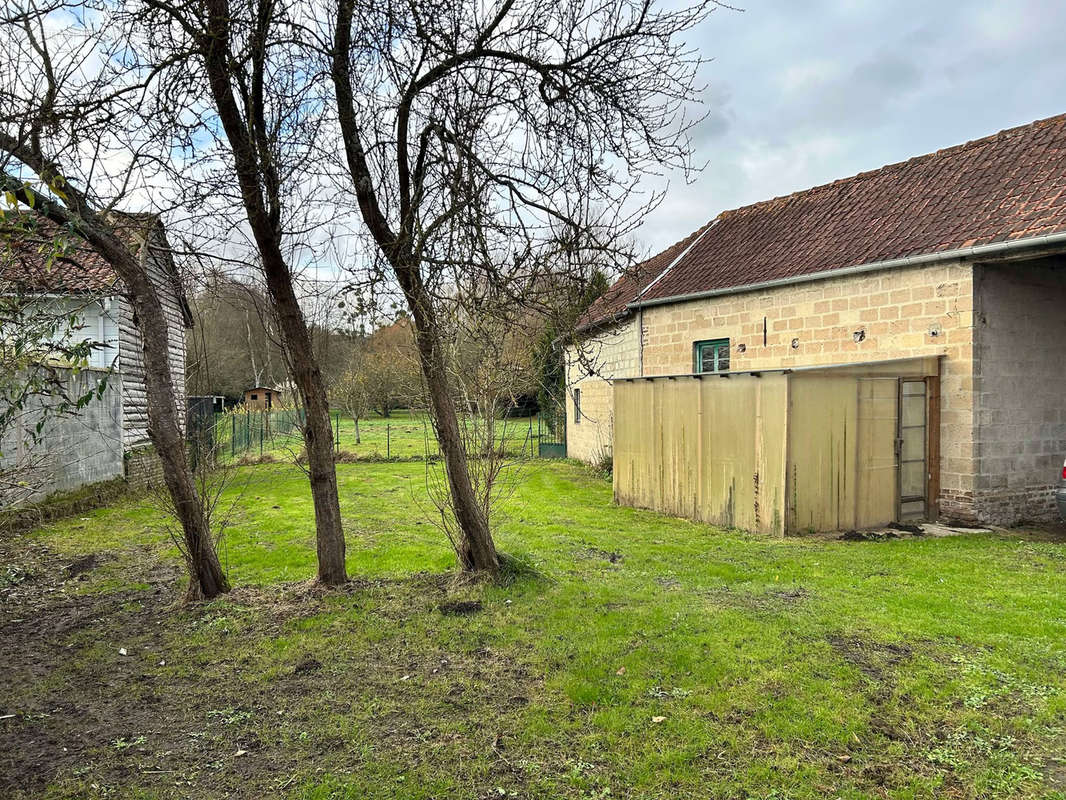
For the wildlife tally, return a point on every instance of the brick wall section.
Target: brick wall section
(611, 354)
(897, 310)
(1020, 380)
(144, 470)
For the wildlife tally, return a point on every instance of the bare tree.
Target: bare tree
(381, 373)
(485, 146)
(127, 251)
(352, 391)
(60, 159)
(240, 63)
(489, 366)
(390, 362)
(489, 144)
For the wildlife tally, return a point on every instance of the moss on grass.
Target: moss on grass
(629, 655)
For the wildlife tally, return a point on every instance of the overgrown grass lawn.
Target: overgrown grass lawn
(631, 656)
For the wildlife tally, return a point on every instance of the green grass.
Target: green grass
(635, 656)
(403, 434)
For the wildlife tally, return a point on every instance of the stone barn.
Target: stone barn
(885, 347)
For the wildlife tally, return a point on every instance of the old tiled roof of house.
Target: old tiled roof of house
(626, 288)
(75, 269)
(1011, 185)
(31, 261)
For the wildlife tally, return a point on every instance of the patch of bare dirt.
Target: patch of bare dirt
(460, 608)
(609, 556)
(771, 601)
(127, 689)
(1054, 532)
(873, 659)
(81, 566)
(45, 621)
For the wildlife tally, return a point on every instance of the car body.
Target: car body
(1060, 494)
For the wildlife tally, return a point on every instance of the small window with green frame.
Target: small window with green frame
(711, 355)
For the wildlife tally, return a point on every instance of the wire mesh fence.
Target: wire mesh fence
(232, 435)
(403, 436)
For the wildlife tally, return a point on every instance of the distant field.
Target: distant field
(402, 435)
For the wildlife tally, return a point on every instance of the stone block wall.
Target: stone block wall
(899, 313)
(1020, 382)
(610, 354)
(143, 469)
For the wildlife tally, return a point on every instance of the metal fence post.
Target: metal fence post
(388, 440)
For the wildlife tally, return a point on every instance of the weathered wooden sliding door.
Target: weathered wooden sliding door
(709, 448)
(842, 452)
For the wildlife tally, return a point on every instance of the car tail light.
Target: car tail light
(1064, 471)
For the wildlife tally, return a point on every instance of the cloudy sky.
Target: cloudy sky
(801, 92)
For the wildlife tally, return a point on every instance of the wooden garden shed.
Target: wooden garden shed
(782, 451)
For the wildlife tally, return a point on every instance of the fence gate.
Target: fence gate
(551, 432)
(200, 429)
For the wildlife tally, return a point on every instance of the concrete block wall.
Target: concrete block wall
(73, 450)
(613, 353)
(1020, 382)
(901, 313)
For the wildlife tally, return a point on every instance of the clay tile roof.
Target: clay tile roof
(1011, 185)
(24, 255)
(626, 288)
(80, 270)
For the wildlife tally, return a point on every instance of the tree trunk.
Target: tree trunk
(475, 549)
(357, 439)
(206, 578)
(318, 432)
(260, 194)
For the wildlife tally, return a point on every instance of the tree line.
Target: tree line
(368, 368)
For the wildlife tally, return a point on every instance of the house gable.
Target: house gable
(82, 279)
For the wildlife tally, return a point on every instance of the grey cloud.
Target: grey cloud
(718, 115)
(888, 73)
(805, 93)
